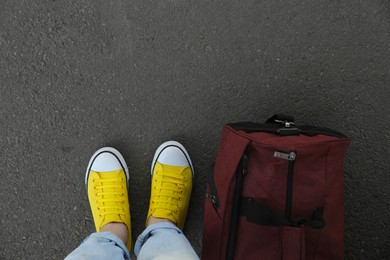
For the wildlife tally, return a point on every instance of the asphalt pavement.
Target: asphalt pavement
(79, 75)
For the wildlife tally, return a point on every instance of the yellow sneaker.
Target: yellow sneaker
(172, 174)
(106, 180)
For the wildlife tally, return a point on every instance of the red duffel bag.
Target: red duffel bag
(276, 192)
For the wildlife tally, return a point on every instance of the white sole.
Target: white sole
(113, 151)
(175, 144)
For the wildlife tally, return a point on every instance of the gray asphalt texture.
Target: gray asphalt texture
(79, 75)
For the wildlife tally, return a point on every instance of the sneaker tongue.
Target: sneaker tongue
(112, 218)
(164, 213)
(109, 218)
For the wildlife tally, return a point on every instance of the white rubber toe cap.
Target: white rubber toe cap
(172, 153)
(107, 159)
(106, 162)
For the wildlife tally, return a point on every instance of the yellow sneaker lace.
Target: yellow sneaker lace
(170, 187)
(110, 196)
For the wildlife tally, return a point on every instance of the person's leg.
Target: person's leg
(172, 174)
(106, 180)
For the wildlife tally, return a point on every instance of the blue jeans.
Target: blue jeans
(157, 241)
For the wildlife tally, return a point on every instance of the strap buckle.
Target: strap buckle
(287, 124)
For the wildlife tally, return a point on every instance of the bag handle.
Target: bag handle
(284, 125)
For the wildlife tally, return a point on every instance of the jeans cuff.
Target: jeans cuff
(147, 233)
(111, 238)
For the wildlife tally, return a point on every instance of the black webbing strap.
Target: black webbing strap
(283, 125)
(309, 130)
(263, 215)
(241, 171)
